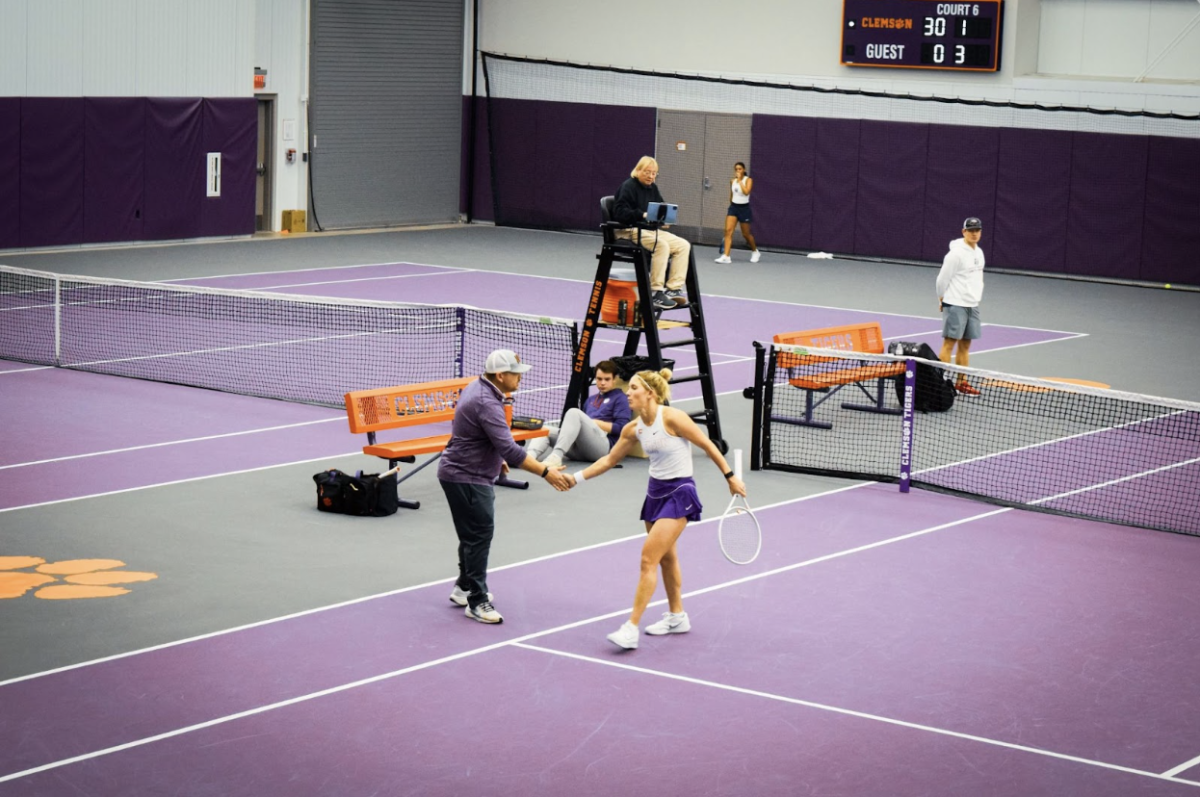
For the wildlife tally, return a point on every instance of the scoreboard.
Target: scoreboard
(922, 34)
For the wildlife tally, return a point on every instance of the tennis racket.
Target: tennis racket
(738, 532)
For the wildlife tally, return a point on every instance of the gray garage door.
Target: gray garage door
(386, 109)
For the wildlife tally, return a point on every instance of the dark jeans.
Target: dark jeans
(473, 508)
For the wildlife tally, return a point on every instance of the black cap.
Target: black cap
(972, 224)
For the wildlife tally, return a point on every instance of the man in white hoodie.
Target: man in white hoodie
(960, 289)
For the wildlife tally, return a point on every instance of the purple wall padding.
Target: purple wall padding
(1108, 197)
(960, 181)
(784, 150)
(835, 184)
(1171, 235)
(175, 168)
(514, 146)
(891, 189)
(113, 168)
(481, 207)
(231, 128)
(566, 133)
(1033, 190)
(623, 135)
(553, 161)
(10, 172)
(51, 171)
(1051, 201)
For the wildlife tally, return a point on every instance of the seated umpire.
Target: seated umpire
(629, 209)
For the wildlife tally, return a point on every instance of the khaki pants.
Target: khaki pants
(664, 247)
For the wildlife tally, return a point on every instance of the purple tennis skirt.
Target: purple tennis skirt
(671, 498)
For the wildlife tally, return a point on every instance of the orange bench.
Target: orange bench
(371, 411)
(816, 374)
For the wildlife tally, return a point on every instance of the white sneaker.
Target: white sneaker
(625, 637)
(459, 596)
(485, 613)
(553, 461)
(723, 259)
(755, 257)
(670, 624)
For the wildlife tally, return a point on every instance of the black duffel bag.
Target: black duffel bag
(935, 388)
(363, 495)
(628, 366)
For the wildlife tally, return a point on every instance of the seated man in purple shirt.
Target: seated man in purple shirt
(480, 447)
(588, 434)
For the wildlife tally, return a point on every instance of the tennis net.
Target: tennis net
(1051, 446)
(303, 349)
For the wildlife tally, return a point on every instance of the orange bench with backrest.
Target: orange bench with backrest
(866, 338)
(386, 408)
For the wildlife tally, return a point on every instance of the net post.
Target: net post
(57, 322)
(460, 320)
(760, 364)
(906, 424)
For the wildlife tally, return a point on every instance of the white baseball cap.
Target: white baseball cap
(504, 361)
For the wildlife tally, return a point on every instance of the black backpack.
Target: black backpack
(935, 389)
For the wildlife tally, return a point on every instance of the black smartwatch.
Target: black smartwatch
(729, 475)
(546, 472)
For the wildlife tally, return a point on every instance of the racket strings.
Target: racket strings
(739, 536)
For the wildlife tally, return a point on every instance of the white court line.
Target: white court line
(390, 593)
(857, 714)
(1040, 444)
(567, 279)
(938, 331)
(177, 481)
(169, 443)
(248, 470)
(1186, 765)
(306, 270)
(424, 665)
(359, 279)
(1111, 482)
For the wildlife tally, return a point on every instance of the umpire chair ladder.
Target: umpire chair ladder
(647, 320)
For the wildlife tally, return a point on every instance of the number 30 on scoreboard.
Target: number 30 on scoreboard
(922, 34)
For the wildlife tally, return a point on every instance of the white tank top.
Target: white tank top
(670, 456)
(739, 196)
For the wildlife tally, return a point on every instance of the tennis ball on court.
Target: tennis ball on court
(1168, 285)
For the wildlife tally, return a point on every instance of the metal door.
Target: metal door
(680, 155)
(696, 152)
(726, 141)
(385, 142)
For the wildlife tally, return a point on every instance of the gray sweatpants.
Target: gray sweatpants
(577, 438)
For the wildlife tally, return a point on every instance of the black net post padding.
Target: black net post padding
(756, 423)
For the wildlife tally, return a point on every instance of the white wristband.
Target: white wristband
(578, 476)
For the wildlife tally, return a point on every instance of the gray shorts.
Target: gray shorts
(960, 323)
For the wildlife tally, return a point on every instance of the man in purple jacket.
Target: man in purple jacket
(480, 448)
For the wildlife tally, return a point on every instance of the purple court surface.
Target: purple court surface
(912, 656)
(882, 644)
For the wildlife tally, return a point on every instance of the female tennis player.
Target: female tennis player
(740, 186)
(671, 498)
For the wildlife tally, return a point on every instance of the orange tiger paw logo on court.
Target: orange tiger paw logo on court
(67, 579)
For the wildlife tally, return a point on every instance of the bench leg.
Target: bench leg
(878, 399)
(516, 484)
(400, 500)
(807, 420)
